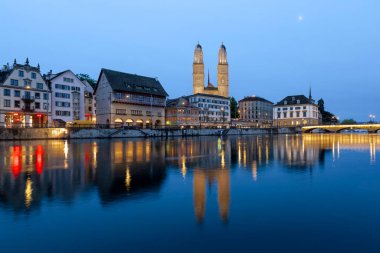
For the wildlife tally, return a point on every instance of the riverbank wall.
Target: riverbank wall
(79, 133)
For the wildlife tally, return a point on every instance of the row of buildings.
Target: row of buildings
(29, 98)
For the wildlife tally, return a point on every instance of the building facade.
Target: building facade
(128, 99)
(256, 112)
(214, 111)
(25, 98)
(199, 74)
(67, 96)
(89, 103)
(294, 111)
(179, 112)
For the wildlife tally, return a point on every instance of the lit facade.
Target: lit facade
(294, 111)
(179, 112)
(89, 103)
(214, 111)
(25, 98)
(256, 112)
(199, 74)
(128, 99)
(67, 96)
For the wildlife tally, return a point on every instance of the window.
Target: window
(304, 114)
(45, 106)
(291, 114)
(148, 113)
(121, 111)
(27, 83)
(298, 114)
(34, 75)
(46, 96)
(62, 104)
(7, 92)
(21, 73)
(17, 93)
(136, 112)
(62, 86)
(62, 113)
(37, 95)
(284, 114)
(14, 82)
(90, 108)
(73, 88)
(159, 114)
(62, 95)
(40, 86)
(37, 105)
(17, 103)
(7, 103)
(68, 80)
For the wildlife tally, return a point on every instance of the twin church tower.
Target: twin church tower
(199, 74)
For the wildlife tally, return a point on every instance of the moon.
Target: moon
(300, 18)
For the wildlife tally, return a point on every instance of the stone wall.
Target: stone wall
(33, 133)
(63, 133)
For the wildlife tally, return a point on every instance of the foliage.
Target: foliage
(327, 117)
(234, 108)
(348, 121)
(86, 77)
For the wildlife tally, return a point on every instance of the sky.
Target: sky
(275, 48)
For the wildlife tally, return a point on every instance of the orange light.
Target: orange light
(15, 114)
(39, 115)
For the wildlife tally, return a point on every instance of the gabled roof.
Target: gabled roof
(120, 81)
(292, 100)
(176, 102)
(254, 98)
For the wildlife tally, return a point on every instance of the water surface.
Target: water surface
(285, 193)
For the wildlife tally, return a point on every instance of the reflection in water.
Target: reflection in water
(129, 169)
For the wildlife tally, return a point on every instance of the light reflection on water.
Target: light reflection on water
(33, 172)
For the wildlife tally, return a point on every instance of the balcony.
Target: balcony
(28, 99)
(28, 108)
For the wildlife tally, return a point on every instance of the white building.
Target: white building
(67, 96)
(25, 98)
(214, 110)
(296, 110)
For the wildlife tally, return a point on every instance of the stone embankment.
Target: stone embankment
(79, 133)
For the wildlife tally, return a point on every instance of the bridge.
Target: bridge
(371, 128)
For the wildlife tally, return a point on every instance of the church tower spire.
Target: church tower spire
(223, 84)
(198, 70)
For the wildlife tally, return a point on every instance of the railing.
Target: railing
(28, 98)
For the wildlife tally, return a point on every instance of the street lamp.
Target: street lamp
(372, 118)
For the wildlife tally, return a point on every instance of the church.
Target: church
(199, 74)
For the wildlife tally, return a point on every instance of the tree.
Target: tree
(327, 117)
(234, 108)
(321, 105)
(86, 77)
(349, 122)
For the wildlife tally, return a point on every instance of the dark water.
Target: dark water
(310, 193)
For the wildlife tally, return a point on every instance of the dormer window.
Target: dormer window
(293, 98)
(285, 102)
(298, 101)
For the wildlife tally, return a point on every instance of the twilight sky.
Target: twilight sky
(272, 51)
